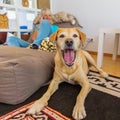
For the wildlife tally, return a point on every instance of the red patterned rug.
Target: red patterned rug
(46, 114)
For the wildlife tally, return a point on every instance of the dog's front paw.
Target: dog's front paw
(104, 74)
(79, 112)
(36, 107)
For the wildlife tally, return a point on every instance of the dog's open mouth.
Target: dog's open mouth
(69, 56)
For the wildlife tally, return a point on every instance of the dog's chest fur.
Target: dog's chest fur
(68, 74)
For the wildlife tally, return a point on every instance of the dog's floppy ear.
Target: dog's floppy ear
(82, 35)
(53, 37)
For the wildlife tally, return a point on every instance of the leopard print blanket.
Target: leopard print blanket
(46, 45)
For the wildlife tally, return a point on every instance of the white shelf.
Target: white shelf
(15, 30)
(28, 30)
(8, 30)
(38, 10)
(19, 11)
(27, 9)
(8, 6)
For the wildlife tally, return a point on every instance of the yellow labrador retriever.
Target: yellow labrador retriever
(71, 65)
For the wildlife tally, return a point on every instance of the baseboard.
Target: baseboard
(106, 54)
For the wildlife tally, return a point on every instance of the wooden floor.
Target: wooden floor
(110, 66)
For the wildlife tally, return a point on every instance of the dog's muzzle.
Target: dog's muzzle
(69, 54)
(68, 43)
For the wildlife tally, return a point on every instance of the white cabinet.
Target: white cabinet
(19, 15)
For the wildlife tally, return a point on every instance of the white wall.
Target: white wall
(93, 15)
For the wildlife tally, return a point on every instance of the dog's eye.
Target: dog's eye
(75, 35)
(62, 36)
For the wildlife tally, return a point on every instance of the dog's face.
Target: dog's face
(68, 41)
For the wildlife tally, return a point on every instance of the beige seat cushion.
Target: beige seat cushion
(22, 72)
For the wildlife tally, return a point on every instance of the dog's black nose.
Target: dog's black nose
(69, 42)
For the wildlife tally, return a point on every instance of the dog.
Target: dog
(71, 65)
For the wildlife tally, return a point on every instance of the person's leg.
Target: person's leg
(15, 41)
(44, 31)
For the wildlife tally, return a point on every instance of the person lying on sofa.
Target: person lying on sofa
(42, 28)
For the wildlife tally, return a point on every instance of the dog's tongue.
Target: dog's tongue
(69, 56)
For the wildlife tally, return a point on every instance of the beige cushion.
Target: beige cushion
(22, 72)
